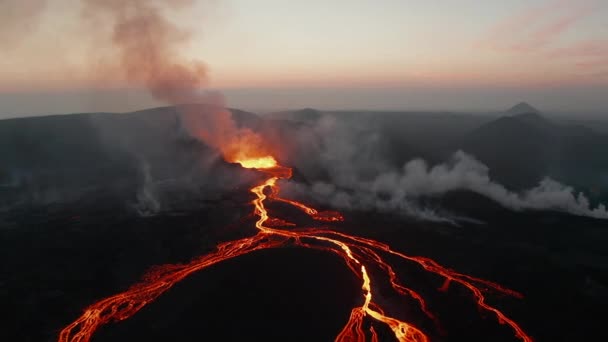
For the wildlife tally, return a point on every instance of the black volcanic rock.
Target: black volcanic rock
(246, 119)
(534, 119)
(300, 115)
(472, 204)
(64, 157)
(60, 258)
(523, 148)
(306, 114)
(518, 153)
(165, 115)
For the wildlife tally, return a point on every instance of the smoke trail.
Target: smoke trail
(147, 46)
(136, 41)
(148, 202)
(398, 190)
(358, 176)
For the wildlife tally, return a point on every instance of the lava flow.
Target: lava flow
(359, 254)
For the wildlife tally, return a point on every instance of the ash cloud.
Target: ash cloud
(171, 169)
(147, 46)
(359, 177)
(139, 42)
(168, 151)
(148, 202)
(18, 19)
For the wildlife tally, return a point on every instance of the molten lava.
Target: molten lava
(258, 163)
(359, 254)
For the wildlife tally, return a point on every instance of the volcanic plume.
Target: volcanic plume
(147, 43)
(145, 46)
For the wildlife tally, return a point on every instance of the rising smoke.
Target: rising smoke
(147, 45)
(136, 41)
(148, 202)
(360, 178)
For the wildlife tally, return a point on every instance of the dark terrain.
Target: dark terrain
(89, 202)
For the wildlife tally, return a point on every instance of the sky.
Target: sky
(269, 55)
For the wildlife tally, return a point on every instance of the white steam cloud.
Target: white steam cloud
(348, 158)
(148, 202)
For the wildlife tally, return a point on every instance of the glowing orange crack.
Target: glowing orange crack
(354, 250)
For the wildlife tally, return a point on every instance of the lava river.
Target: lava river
(359, 255)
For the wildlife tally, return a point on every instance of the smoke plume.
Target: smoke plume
(148, 202)
(399, 190)
(138, 41)
(146, 46)
(359, 177)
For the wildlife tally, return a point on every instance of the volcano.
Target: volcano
(359, 255)
(195, 220)
(249, 260)
(522, 108)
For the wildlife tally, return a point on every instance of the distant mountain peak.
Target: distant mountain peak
(307, 110)
(306, 114)
(523, 108)
(529, 116)
(534, 119)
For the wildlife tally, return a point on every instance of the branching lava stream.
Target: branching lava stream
(359, 255)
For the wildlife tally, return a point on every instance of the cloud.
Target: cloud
(401, 190)
(18, 19)
(591, 55)
(534, 29)
(539, 30)
(359, 176)
(585, 49)
(148, 201)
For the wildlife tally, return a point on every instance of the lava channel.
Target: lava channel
(359, 254)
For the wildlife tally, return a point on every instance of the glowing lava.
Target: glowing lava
(258, 163)
(359, 254)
